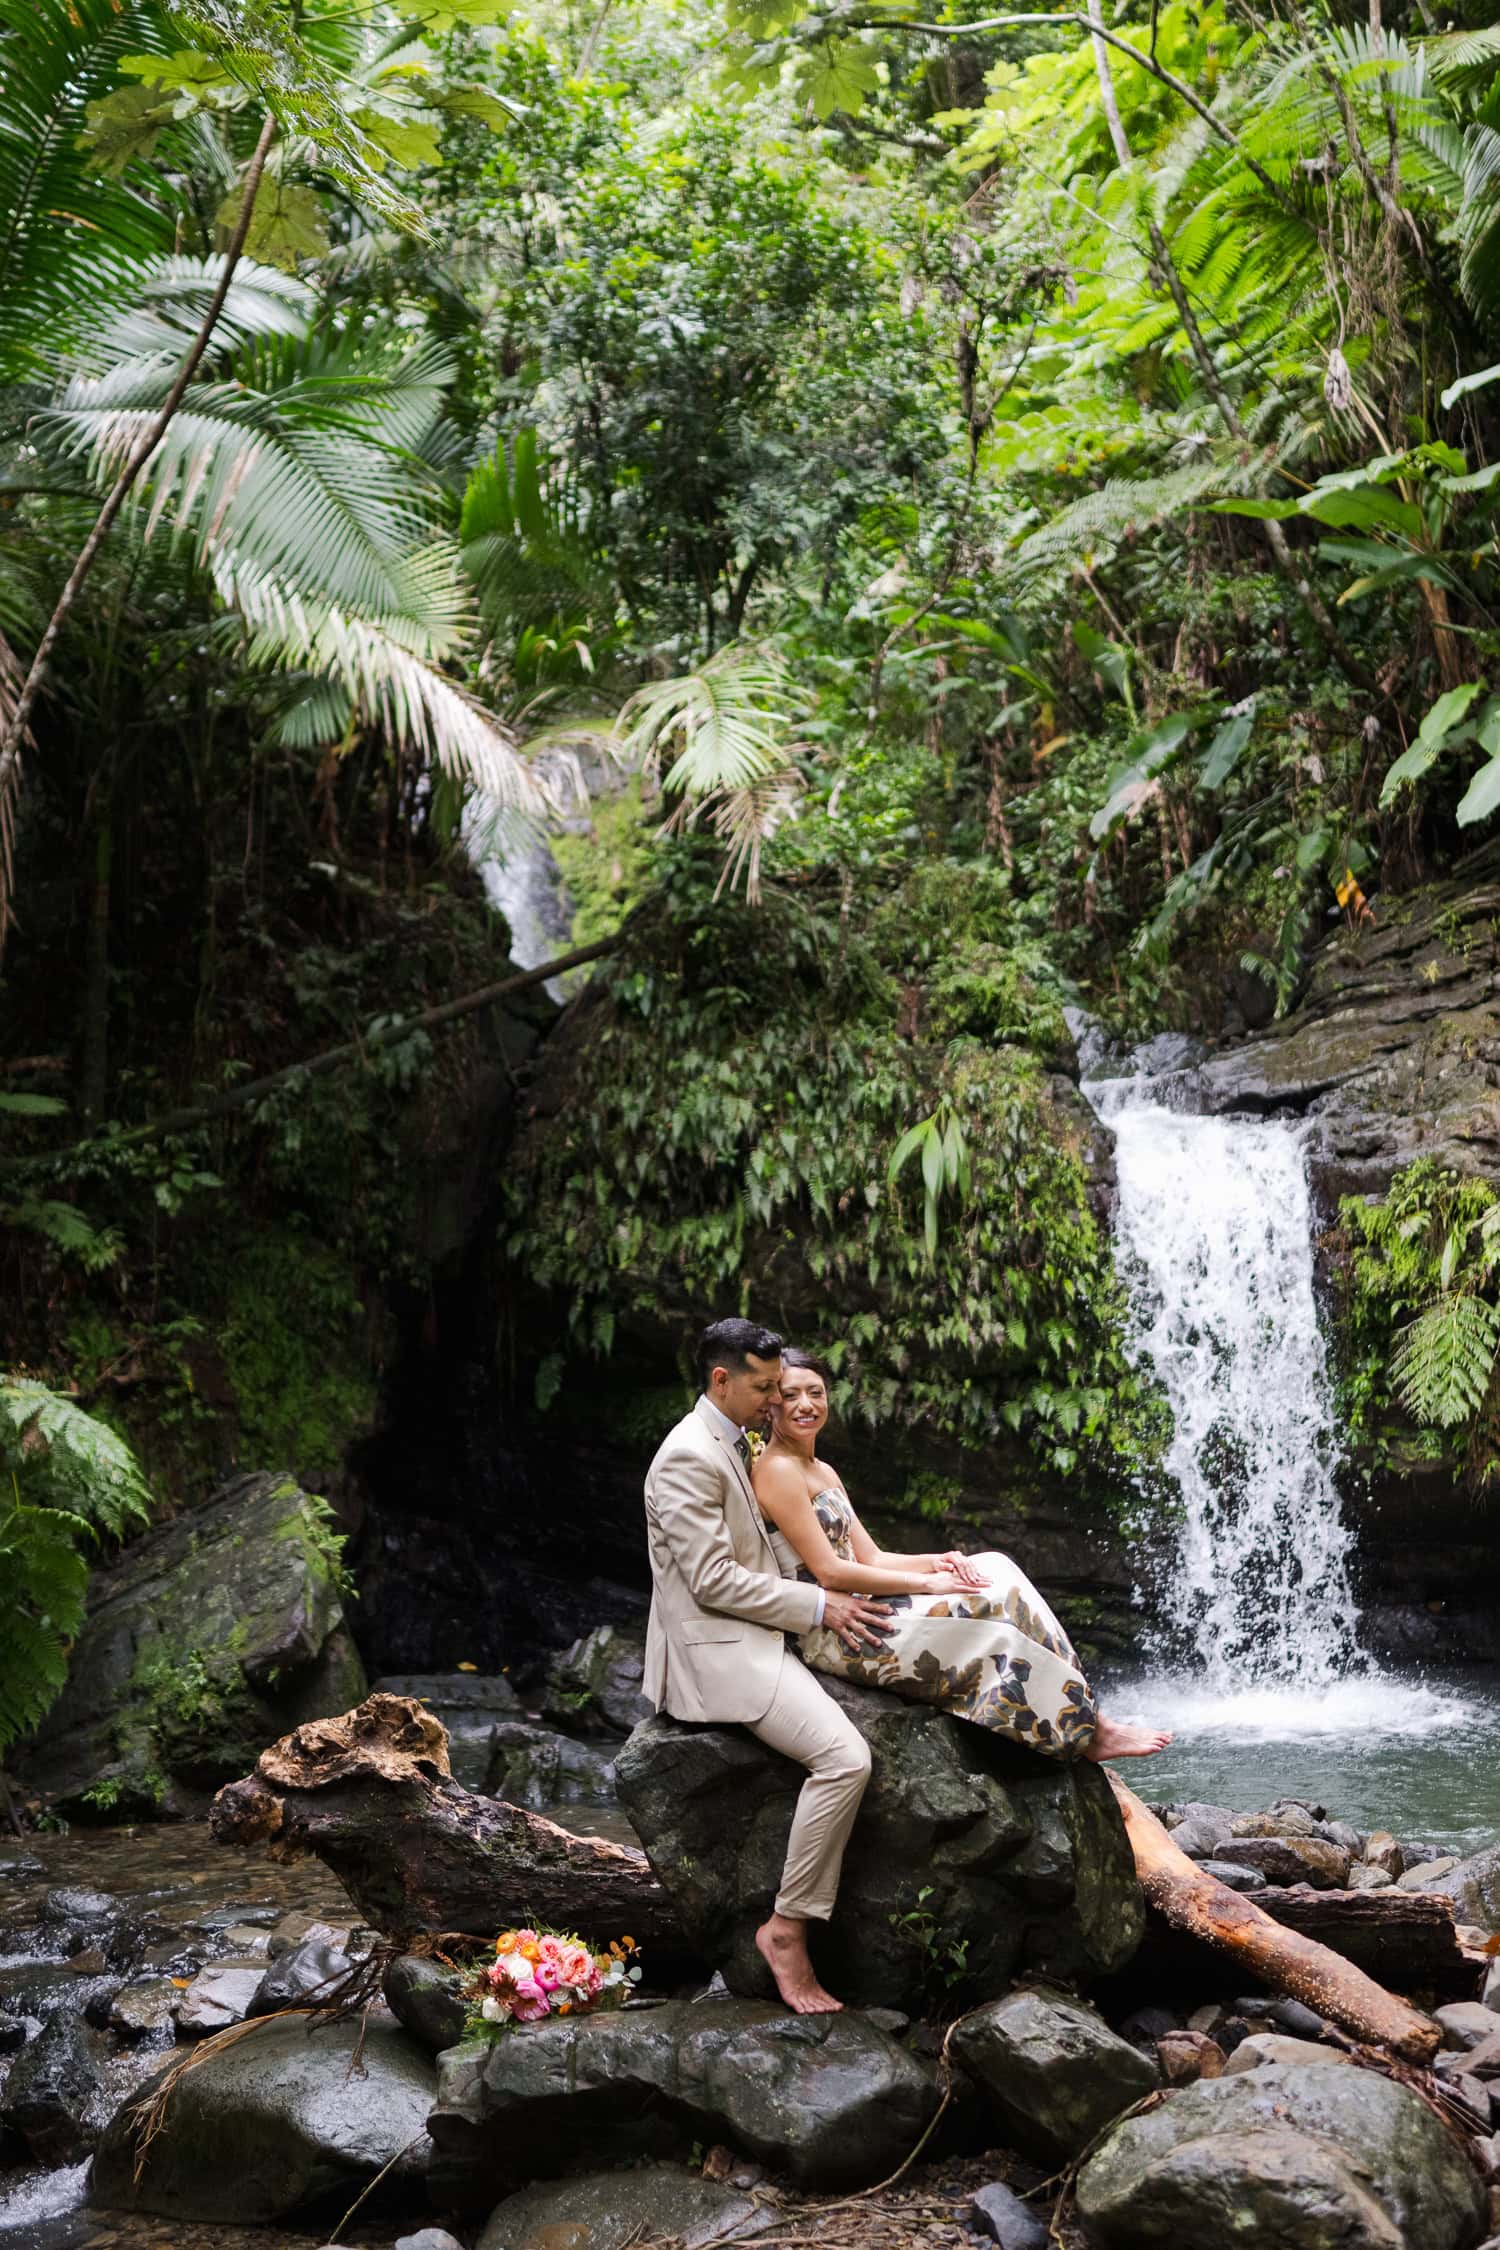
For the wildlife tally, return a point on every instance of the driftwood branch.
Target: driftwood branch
(370, 1794)
(1282, 1958)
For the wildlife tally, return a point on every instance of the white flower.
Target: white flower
(493, 2011)
(516, 1967)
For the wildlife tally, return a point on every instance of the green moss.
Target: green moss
(314, 1527)
(607, 866)
(294, 1353)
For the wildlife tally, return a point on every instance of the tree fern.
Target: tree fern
(41, 1609)
(64, 1459)
(1445, 1358)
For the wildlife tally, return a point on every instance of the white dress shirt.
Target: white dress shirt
(734, 1433)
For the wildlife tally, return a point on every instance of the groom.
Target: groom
(715, 1646)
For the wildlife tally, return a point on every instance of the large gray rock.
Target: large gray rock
(594, 1687)
(826, 2100)
(48, 2091)
(541, 1769)
(273, 2121)
(470, 1705)
(1474, 1887)
(424, 1997)
(1023, 1859)
(207, 1639)
(1293, 1859)
(609, 2210)
(1052, 2070)
(1284, 2158)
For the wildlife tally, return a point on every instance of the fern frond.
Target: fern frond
(43, 1578)
(64, 1458)
(1444, 1359)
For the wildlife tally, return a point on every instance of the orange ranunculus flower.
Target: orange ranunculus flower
(532, 1952)
(506, 1944)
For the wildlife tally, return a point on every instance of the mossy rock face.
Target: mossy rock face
(204, 1641)
(971, 1861)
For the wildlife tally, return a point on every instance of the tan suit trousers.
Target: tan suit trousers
(804, 1723)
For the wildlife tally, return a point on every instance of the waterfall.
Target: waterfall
(1215, 1237)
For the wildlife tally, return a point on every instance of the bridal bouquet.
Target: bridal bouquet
(539, 1973)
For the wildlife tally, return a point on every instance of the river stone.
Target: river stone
(1313, 2157)
(145, 2008)
(1283, 1820)
(1370, 1878)
(313, 1968)
(998, 2215)
(1201, 1836)
(1474, 1886)
(1233, 1876)
(1382, 1850)
(1466, 2023)
(1052, 2069)
(469, 1704)
(206, 1639)
(595, 1686)
(1279, 2047)
(1295, 1859)
(428, 2238)
(1023, 1859)
(48, 2091)
(424, 1996)
(539, 1768)
(219, 1995)
(80, 1909)
(279, 2117)
(608, 2210)
(828, 2100)
(1427, 1876)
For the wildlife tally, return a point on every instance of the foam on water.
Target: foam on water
(29, 2197)
(1363, 1708)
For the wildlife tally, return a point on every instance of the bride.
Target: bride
(970, 1634)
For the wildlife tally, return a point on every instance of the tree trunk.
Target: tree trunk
(1407, 1938)
(94, 1060)
(1279, 1957)
(370, 1794)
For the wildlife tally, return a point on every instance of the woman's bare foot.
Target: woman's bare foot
(1112, 1739)
(782, 1945)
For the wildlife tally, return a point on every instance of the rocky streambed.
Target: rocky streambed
(1186, 2104)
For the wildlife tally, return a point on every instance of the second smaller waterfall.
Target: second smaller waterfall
(1215, 1234)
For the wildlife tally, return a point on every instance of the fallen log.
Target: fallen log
(1405, 1938)
(371, 1795)
(1279, 1956)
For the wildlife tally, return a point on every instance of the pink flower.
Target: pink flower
(548, 1975)
(526, 1937)
(530, 2003)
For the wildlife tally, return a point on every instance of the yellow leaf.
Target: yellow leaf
(468, 1667)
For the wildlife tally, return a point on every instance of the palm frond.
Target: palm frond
(68, 234)
(724, 726)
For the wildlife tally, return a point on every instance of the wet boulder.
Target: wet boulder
(611, 2210)
(971, 1861)
(424, 1997)
(543, 1770)
(824, 2100)
(272, 2122)
(1474, 1887)
(309, 1971)
(1308, 2156)
(1286, 1860)
(1051, 2069)
(49, 2089)
(594, 1687)
(208, 1638)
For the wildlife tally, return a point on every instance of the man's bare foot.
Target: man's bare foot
(1112, 1739)
(782, 1945)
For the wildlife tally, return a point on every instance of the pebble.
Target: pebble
(1276, 2047)
(1291, 2015)
(1366, 1877)
(219, 1995)
(1183, 2057)
(1382, 1850)
(1466, 2023)
(144, 2007)
(429, 2238)
(998, 2213)
(1205, 2018)
(1425, 1874)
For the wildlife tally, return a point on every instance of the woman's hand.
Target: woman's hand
(957, 1565)
(949, 1582)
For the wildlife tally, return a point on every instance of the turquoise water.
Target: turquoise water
(1418, 1754)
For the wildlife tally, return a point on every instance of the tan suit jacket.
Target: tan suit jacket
(719, 1603)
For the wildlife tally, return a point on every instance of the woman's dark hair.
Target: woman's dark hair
(792, 1355)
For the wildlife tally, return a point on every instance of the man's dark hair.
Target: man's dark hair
(729, 1343)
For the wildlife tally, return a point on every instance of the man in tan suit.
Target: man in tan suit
(715, 1646)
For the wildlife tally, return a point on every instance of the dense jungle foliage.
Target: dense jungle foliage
(955, 518)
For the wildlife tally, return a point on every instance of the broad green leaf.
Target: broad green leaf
(493, 110)
(932, 1159)
(1264, 511)
(1107, 657)
(908, 1141)
(1224, 751)
(477, 13)
(407, 141)
(1435, 732)
(188, 71)
(837, 76)
(1467, 383)
(1311, 849)
(1478, 480)
(126, 125)
(1130, 784)
(287, 224)
(1359, 511)
(1482, 797)
(31, 1105)
(1396, 574)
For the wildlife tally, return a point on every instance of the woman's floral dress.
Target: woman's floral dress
(998, 1658)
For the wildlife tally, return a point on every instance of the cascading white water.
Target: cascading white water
(1215, 1235)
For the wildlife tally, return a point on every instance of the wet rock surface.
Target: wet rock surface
(49, 2090)
(1313, 2158)
(424, 1997)
(1022, 1858)
(209, 1637)
(822, 2100)
(1052, 2070)
(610, 2210)
(273, 2121)
(539, 1768)
(594, 1687)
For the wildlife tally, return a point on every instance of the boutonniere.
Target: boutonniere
(757, 1445)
